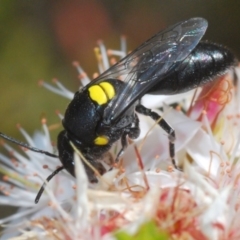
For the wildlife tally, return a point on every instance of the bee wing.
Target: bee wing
(151, 62)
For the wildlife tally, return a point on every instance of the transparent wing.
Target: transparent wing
(150, 63)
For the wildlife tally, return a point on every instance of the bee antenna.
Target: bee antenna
(27, 146)
(47, 180)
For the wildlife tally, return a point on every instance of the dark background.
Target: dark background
(39, 39)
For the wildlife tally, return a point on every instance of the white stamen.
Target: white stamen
(104, 55)
(123, 46)
(66, 94)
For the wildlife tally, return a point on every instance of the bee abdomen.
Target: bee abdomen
(205, 63)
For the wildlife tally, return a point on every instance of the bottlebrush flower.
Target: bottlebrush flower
(143, 191)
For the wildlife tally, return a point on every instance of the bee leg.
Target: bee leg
(165, 126)
(124, 145)
(133, 132)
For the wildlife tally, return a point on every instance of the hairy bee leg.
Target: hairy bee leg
(165, 126)
(133, 132)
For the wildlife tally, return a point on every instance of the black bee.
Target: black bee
(173, 61)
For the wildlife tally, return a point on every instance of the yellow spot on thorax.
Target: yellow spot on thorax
(102, 93)
(101, 140)
(97, 94)
(108, 89)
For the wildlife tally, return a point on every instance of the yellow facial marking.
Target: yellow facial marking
(101, 140)
(108, 89)
(97, 94)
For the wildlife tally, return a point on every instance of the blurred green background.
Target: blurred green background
(40, 39)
